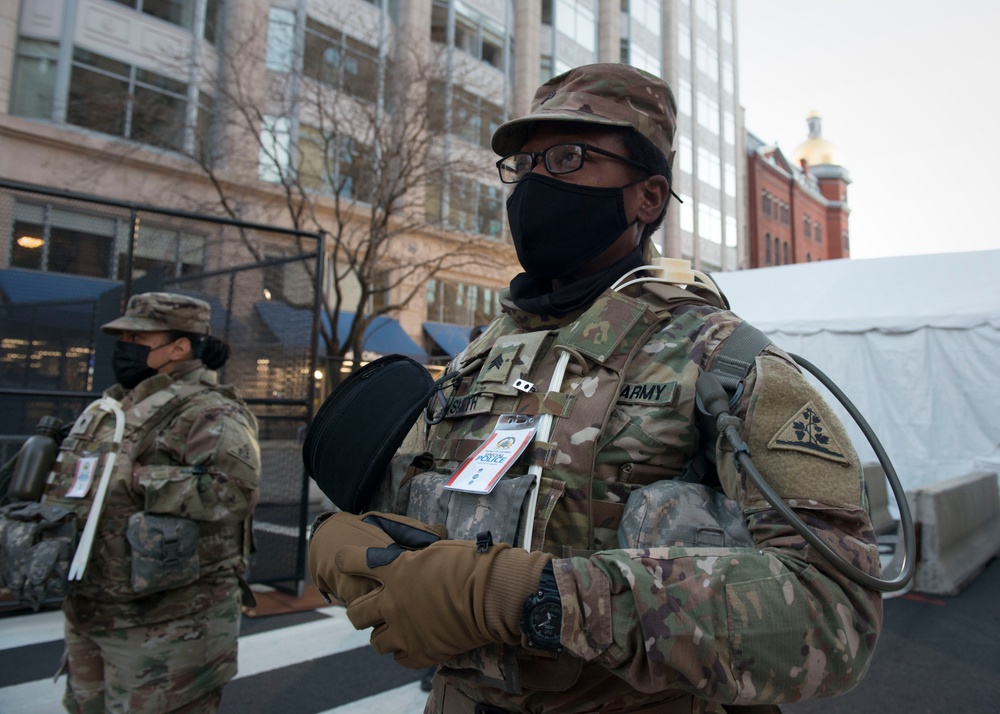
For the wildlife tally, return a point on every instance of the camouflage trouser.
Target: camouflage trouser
(177, 666)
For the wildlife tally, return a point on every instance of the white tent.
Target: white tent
(913, 341)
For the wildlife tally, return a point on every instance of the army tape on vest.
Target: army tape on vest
(79, 565)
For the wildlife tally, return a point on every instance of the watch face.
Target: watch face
(545, 622)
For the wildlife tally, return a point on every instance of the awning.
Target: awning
(293, 328)
(452, 339)
(36, 298)
(20, 286)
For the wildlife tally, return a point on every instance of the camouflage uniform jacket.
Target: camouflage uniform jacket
(769, 624)
(189, 450)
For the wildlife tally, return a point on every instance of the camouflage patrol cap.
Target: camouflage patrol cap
(153, 312)
(610, 94)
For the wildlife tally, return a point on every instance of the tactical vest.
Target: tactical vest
(108, 573)
(581, 494)
(584, 486)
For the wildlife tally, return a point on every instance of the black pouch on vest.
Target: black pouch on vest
(359, 427)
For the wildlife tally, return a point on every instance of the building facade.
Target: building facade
(798, 209)
(257, 105)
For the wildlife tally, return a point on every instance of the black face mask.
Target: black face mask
(129, 363)
(559, 227)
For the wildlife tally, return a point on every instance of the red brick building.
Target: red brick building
(798, 209)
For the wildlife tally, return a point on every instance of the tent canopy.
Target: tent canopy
(949, 290)
(911, 340)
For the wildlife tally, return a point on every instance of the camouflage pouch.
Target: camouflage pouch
(37, 543)
(164, 552)
(501, 511)
(680, 513)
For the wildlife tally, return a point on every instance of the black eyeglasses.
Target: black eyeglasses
(558, 159)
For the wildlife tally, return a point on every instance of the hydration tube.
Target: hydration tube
(82, 556)
(715, 399)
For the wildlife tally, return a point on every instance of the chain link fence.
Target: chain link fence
(69, 266)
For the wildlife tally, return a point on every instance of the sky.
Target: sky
(909, 93)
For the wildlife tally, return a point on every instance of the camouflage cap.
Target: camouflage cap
(610, 94)
(153, 312)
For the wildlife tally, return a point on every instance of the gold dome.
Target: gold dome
(815, 150)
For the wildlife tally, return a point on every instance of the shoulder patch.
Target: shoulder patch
(244, 453)
(807, 433)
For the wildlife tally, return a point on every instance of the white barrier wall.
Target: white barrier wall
(958, 522)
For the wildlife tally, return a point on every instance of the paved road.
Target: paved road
(936, 655)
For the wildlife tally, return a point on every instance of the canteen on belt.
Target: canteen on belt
(358, 428)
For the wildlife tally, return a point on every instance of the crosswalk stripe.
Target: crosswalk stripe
(299, 643)
(258, 653)
(31, 629)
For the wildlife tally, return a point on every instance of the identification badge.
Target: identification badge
(86, 467)
(482, 470)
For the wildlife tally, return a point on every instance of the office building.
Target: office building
(798, 209)
(133, 99)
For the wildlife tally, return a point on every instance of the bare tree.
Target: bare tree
(355, 147)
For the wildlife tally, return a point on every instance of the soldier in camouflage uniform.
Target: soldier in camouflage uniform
(152, 626)
(650, 614)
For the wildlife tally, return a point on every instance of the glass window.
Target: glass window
(684, 40)
(726, 27)
(707, 11)
(165, 249)
(784, 253)
(767, 249)
(731, 231)
(766, 203)
(489, 214)
(275, 149)
(576, 20)
(213, 20)
(684, 97)
(730, 180)
(729, 128)
(728, 77)
(98, 93)
(807, 226)
(280, 40)
(176, 12)
(647, 14)
(708, 167)
(71, 242)
(639, 57)
(473, 118)
(158, 110)
(34, 78)
(708, 113)
(340, 61)
(687, 213)
(707, 59)
(115, 98)
(819, 234)
(710, 223)
(686, 155)
(777, 249)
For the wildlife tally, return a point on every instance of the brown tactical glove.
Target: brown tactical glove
(426, 605)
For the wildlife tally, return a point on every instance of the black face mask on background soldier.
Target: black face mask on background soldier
(129, 363)
(559, 227)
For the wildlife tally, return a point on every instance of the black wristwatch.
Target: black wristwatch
(541, 618)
